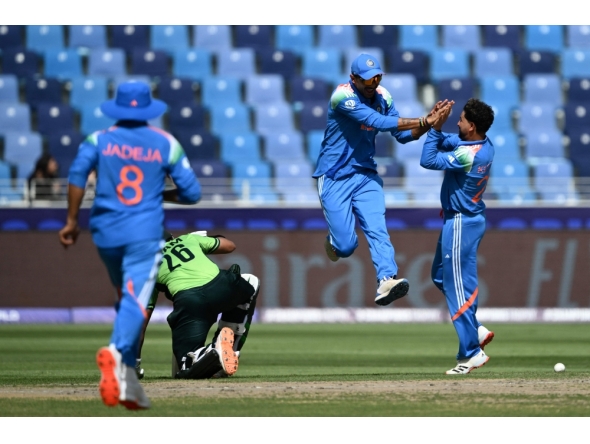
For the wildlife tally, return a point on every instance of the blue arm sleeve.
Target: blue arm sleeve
(352, 108)
(437, 152)
(188, 186)
(84, 162)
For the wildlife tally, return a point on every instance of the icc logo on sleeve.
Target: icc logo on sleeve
(350, 104)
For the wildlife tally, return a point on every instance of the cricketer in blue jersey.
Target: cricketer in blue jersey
(466, 159)
(348, 183)
(131, 160)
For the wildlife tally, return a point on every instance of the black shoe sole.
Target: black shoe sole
(397, 292)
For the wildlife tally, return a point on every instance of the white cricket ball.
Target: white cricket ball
(559, 367)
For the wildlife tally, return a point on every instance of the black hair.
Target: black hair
(480, 114)
(168, 236)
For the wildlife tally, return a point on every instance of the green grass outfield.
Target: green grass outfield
(317, 358)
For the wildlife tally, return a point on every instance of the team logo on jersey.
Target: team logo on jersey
(350, 104)
(370, 63)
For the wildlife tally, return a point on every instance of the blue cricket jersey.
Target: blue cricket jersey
(353, 123)
(467, 167)
(131, 164)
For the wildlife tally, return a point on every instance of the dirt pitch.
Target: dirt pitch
(234, 389)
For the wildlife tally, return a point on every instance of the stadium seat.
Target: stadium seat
(544, 38)
(264, 89)
(226, 118)
(273, 117)
(284, 146)
(575, 63)
(542, 88)
(304, 89)
(323, 63)
(43, 90)
(253, 180)
(176, 91)
(11, 36)
(84, 37)
(578, 90)
(198, 144)
(402, 87)
(313, 116)
(536, 62)
(294, 38)
(493, 62)
(577, 116)
(409, 62)
(424, 184)
(240, 63)
(418, 37)
(535, 117)
(448, 64)
(153, 63)
(391, 171)
(554, 181)
(293, 180)
(458, 89)
(467, 37)
(40, 38)
(384, 37)
(221, 90)
(239, 147)
(63, 146)
(313, 140)
(500, 90)
(169, 38)
(281, 62)
(212, 37)
(108, 62)
(503, 117)
(510, 175)
(579, 150)
(507, 36)
(577, 36)
(22, 149)
(543, 144)
(506, 144)
(411, 109)
(384, 145)
(63, 64)
(254, 36)
(193, 63)
(129, 37)
(186, 116)
(92, 119)
(337, 36)
(409, 150)
(20, 62)
(15, 117)
(54, 117)
(211, 169)
(9, 88)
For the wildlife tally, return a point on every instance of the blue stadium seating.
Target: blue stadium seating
(458, 89)
(193, 63)
(579, 150)
(284, 145)
(169, 38)
(282, 62)
(254, 36)
(15, 116)
(20, 62)
(324, 63)
(337, 36)
(92, 119)
(542, 88)
(577, 36)
(409, 62)
(54, 117)
(129, 37)
(409, 150)
(467, 37)
(294, 38)
(503, 116)
(544, 144)
(577, 116)
(149, 62)
(380, 36)
(220, 90)
(265, 89)
(273, 117)
(83, 37)
(313, 116)
(43, 90)
(384, 145)
(186, 116)
(544, 38)
(536, 62)
(240, 147)
(304, 89)
(402, 87)
(418, 37)
(500, 90)
(108, 62)
(449, 63)
(40, 38)
(22, 149)
(212, 37)
(293, 180)
(226, 118)
(238, 62)
(422, 183)
(176, 90)
(11, 36)
(198, 144)
(493, 62)
(575, 63)
(510, 175)
(63, 64)
(553, 180)
(9, 88)
(258, 175)
(578, 90)
(313, 140)
(506, 144)
(63, 145)
(535, 117)
(507, 36)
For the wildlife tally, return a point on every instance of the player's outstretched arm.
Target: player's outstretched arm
(69, 233)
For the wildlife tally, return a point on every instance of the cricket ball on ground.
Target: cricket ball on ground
(559, 367)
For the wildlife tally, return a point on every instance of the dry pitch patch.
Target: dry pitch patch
(222, 389)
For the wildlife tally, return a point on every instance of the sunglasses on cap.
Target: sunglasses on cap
(375, 79)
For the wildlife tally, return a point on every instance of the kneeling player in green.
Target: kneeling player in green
(199, 292)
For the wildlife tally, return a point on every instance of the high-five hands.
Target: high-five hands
(440, 113)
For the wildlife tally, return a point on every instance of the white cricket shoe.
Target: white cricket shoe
(484, 336)
(465, 366)
(391, 289)
(330, 251)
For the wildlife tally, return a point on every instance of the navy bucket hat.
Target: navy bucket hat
(133, 101)
(366, 66)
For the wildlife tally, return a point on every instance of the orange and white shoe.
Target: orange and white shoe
(225, 348)
(484, 336)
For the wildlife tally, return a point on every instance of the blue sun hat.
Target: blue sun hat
(366, 66)
(133, 101)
